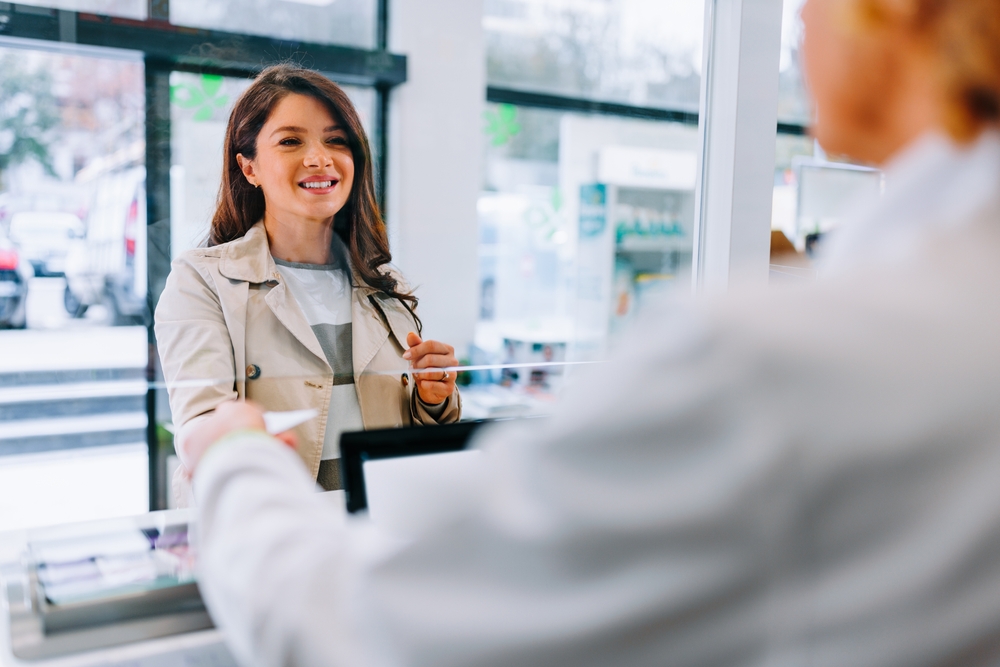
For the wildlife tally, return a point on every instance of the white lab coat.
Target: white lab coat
(804, 476)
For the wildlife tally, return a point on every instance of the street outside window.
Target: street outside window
(72, 286)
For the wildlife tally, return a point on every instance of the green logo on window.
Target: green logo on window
(204, 98)
(501, 124)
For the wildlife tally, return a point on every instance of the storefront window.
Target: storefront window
(321, 21)
(639, 52)
(582, 219)
(72, 287)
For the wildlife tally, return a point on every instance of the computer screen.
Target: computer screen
(365, 447)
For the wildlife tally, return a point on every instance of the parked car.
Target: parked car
(14, 277)
(44, 238)
(108, 264)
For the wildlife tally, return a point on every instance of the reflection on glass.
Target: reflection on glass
(132, 9)
(583, 220)
(641, 52)
(321, 21)
(72, 265)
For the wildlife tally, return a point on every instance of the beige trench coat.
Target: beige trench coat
(226, 309)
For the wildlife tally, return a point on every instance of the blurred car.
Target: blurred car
(14, 277)
(108, 264)
(44, 238)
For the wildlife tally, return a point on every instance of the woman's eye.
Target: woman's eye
(289, 142)
(337, 141)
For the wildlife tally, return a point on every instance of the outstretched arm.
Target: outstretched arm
(276, 564)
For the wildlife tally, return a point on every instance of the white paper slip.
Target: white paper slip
(279, 422)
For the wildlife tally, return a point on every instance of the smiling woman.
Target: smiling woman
(293, 304)
(287, 159)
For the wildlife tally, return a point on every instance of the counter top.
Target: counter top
(204, 648)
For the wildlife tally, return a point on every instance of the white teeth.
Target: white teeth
(317, 185)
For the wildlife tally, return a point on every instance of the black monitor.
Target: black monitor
(360, 446)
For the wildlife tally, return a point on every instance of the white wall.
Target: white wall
(435, 170)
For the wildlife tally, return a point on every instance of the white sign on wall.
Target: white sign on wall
(657, 169)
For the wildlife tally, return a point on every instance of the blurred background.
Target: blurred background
(539, 193)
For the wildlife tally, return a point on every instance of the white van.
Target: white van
(44, 238)
(108, 265)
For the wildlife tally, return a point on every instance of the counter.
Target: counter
(167, 630)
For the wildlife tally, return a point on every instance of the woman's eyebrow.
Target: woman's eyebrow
(288, 128)
(295, 128)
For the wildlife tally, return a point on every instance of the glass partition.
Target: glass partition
(583, 219)
(72, 286)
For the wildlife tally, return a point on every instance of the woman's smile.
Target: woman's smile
(319, 185)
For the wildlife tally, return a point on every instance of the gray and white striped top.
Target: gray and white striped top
(323, 292)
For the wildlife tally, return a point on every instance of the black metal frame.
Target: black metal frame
(166, 48)
(537, 100)
(193, 49)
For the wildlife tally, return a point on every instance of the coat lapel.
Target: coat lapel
(249, 260)
(371, 312)
(368, 334)
(400, 321)
(284, 307)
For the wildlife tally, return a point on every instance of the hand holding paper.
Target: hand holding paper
(243, 415)
(279, 422)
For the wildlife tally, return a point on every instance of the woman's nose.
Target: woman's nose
(317, 159)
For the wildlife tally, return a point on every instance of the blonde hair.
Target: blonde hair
(964, 36)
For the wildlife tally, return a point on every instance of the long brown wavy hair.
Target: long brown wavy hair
(240, 205)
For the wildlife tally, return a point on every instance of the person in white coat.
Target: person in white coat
(802, 476)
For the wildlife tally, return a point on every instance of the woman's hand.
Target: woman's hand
(433, 387)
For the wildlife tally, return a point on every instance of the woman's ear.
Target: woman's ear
(246, 166)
